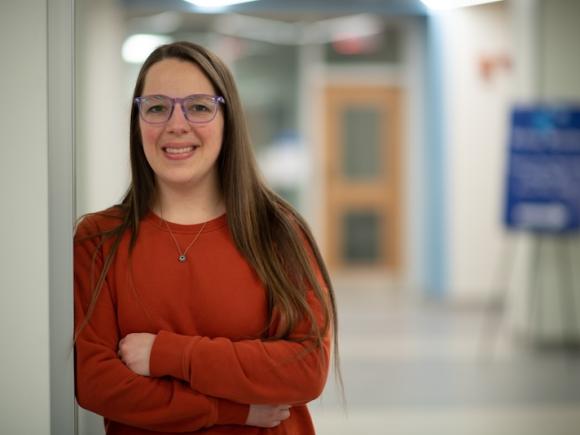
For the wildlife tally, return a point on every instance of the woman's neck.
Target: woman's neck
(191, 206)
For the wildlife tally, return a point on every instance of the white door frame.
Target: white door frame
(61, 188)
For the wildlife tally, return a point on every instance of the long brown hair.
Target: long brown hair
(268, 232)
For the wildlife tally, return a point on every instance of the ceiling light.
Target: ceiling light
(216, 4)
(453, 4)
(136, 48)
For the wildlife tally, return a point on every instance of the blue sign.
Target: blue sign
(543, 180)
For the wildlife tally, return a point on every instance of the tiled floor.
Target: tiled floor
(413, 368)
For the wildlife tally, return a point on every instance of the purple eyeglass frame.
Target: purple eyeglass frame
(215, 98)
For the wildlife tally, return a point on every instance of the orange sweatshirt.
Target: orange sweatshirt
(207, 362)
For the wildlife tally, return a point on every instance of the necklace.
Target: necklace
(183, 254)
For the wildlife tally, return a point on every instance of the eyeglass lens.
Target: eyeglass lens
(196, 108)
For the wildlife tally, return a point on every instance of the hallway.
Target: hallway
(413, 367)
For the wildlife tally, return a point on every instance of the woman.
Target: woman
(202, 304)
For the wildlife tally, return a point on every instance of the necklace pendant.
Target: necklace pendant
(182, 258)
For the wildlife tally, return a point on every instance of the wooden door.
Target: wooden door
(363, 173)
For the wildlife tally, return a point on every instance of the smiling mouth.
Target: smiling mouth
(179, 150)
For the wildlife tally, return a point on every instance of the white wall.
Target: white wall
(475, 143)
(24, 303)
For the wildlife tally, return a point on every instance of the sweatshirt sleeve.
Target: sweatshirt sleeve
(107, 387)
(247, 371)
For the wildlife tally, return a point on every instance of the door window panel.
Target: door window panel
(361, 151)
(362, 237)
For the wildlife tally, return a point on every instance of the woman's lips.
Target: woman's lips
(181, 152)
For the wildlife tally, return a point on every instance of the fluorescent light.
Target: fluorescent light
(216, 4)
(136, 48)
(452, 4)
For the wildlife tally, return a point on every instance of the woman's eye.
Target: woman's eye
(158, 108)
(196, 108)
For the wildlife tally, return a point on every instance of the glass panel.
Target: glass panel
(271, 109)
(362, 237)
(361, 143)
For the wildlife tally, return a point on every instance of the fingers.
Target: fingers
(280, 413)
(125, 344)
(267, 415)
(285, 412)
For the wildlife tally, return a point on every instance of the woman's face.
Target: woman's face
(182, 154)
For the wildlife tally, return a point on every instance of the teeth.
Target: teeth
(179, 150)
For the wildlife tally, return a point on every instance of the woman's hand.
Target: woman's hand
(135, 350)
(267, 415)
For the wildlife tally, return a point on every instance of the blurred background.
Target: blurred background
(387, 124)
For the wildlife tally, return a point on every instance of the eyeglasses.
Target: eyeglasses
(197, 108)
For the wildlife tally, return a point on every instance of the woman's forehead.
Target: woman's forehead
(176, 77)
